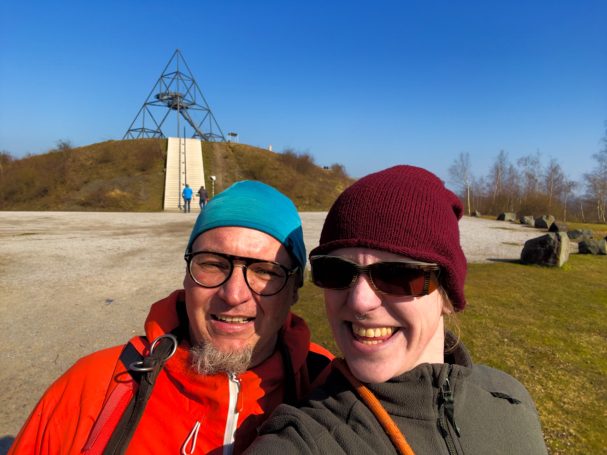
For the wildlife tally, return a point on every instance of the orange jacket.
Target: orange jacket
(186, 413)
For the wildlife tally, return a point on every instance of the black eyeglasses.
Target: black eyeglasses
(397, 278)
(210, 270)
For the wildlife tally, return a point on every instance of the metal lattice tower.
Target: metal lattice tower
(176, 91)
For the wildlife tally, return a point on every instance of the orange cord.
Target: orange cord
(395, 435)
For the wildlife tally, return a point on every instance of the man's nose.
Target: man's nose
(235, 290)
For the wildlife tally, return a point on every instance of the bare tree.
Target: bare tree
(461, 176)
(63, 145)
(497, 175)
(478, 193)
(568, 187)
(596, 183)
(511, 188)
(553, 181)
(595, 187)
(530, 167)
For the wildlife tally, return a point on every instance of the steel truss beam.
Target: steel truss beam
(176, 91)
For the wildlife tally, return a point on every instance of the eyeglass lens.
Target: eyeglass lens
(212, 270)
(398, 278)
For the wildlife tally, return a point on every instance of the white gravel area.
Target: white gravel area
(74, 282)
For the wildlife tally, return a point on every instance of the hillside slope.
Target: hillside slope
(129, 176)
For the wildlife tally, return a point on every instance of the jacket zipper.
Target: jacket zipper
(232, 418)
(446, 407)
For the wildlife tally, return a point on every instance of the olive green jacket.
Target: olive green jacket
(450, 408)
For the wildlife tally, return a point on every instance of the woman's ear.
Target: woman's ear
(447, 305)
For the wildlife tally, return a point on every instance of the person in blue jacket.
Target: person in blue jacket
(187, 198)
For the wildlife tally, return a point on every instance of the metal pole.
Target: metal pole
(180, 151)
(179, 172)
(185, 158)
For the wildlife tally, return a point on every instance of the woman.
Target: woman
(392, 268)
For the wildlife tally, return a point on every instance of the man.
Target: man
(203, 197)
(218, 356)
(187, 198)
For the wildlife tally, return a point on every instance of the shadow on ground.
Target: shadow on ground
(507, 261)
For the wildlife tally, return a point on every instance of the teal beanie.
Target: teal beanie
(257, 206)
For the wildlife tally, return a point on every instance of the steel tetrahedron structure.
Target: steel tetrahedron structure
(176, 92)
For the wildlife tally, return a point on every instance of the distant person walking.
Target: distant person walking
(187, 198)
(203, 197)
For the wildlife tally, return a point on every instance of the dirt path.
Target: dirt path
(72, 283)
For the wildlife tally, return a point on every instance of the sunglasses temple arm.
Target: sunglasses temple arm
(426, 282)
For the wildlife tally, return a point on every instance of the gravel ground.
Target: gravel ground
(72, 283)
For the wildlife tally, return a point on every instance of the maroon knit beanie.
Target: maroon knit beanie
(404, 210)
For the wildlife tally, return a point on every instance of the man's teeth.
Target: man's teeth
(233, 320)
(375, 332)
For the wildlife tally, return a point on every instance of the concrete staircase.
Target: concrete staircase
(184, 165)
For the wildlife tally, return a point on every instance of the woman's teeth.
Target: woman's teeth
(372, 332)
(233, 320)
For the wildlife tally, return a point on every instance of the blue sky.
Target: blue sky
(364, 84)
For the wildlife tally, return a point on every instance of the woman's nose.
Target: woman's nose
(362, 297)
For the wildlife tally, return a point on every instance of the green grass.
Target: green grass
(546, 327)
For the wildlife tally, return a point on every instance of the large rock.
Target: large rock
(580, 234)
(550, 250)
(544, 221)
(528, 220)
(592, 246)
(506, 216)
(558, 226)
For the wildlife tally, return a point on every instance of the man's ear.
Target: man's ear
(295, 295)
(299, 282)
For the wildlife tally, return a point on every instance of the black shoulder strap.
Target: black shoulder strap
(127, 424)
(289, 379)
(130, 355)
(316, 364)
(123, 433)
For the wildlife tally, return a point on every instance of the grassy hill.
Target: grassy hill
(129, 176)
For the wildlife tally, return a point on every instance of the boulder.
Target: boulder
(558, 226)
(544, 221)
(580, 234)
(528, 220)
(506, 216)
(476, 213)
(592, 246)
(550, 250)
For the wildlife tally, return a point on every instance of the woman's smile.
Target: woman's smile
(371, 335)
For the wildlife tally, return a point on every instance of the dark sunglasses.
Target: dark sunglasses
(397, 278)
